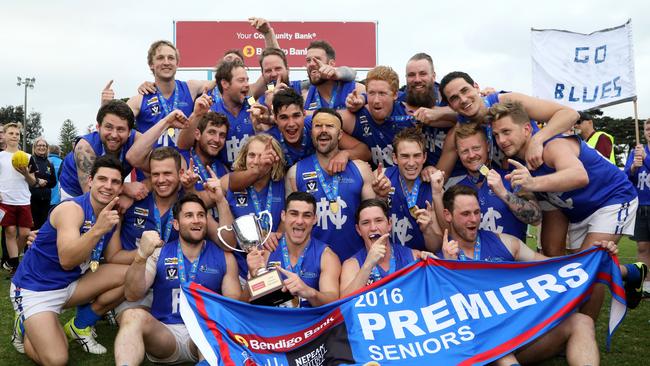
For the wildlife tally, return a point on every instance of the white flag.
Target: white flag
(584, 71)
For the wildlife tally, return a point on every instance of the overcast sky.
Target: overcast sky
(73, 48)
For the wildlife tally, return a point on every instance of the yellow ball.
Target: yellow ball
(20, 159)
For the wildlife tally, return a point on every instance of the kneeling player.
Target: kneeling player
(161, 332)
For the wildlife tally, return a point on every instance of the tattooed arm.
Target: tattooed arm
(84, 158)
(523, 205)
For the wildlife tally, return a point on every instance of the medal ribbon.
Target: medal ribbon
(256, 202)
(163, 102)
(168, 225)
(331, 189)
(335, 92)
(181, 264)
(477, 251)
(99, 247)
(285, 148)
(286, 262)
(376, 275)
(411, 197)
(203, 172)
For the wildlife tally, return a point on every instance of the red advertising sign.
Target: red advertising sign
(202, 43)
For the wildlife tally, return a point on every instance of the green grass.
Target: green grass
(629, 345)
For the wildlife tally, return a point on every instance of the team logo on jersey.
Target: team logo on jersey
(141, 211)
(313, 105)
(87, 225)
(312, 186)
(153, 100)
(139, 222)
(155, 109)
(171, 273)
(241, 199)
(366, 130)
(205, 269)
(309, 175)
(170, 261)
(391, 194)
(363, 119)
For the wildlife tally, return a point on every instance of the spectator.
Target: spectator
(55, 159)
(45, 181)
(599, 140)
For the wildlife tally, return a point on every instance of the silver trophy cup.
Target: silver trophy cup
(248, 231)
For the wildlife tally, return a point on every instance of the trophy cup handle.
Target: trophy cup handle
(259, 217)
(227, 228)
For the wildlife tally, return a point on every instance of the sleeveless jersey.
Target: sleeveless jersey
(641, 177)
(155, 107)
(294, 154)
(166, 285)
(295, 85)
(68, 177)
(492, 248)
(309, 271)
(139, 218)
(339, 93)
(337, 229)
(495, 214)
(405, 228)
(240, 129)
(40, 269)
(241, 203)
(403, 257)
(217, 166)
(379, 137)
(607, 186)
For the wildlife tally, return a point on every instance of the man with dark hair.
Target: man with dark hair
(165, 95)
(502, 211)
(114, 136)
(575, 335)
(325, 91)
(232, 82)
(599, 140)
(337, 194)
(380, 256)
(595, 196)
(311, 268)
(54, 273)
(464, 97)
(408, 198)
(163, 267)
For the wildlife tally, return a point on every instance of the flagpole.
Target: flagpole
(636, 122)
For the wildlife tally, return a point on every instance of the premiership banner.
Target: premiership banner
(584, 71)
(431, 313)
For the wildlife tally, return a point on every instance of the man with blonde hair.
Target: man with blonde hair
(14, 190)
(377, 123)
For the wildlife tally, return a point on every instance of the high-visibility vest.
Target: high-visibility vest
(594, 138)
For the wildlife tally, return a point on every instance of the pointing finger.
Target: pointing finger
(108, 86)
(517, 164)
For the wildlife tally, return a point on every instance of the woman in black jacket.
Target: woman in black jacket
(45, 181)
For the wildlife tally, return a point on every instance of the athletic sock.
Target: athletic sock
(633, 273)
(85, 317)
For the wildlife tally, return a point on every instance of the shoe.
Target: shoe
(634, 289)
(6, 266)
(85, 337)
(17, 336)
(110, 318)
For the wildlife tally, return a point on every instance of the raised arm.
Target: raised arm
(74, 249)
(84, 158)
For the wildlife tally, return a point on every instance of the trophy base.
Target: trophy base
(266, 289)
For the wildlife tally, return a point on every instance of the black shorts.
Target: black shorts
(642, 224)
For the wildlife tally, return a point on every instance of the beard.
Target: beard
(187, 237)
(426, 99)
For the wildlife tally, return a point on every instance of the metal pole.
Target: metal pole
(25, 120)
(636, 122)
